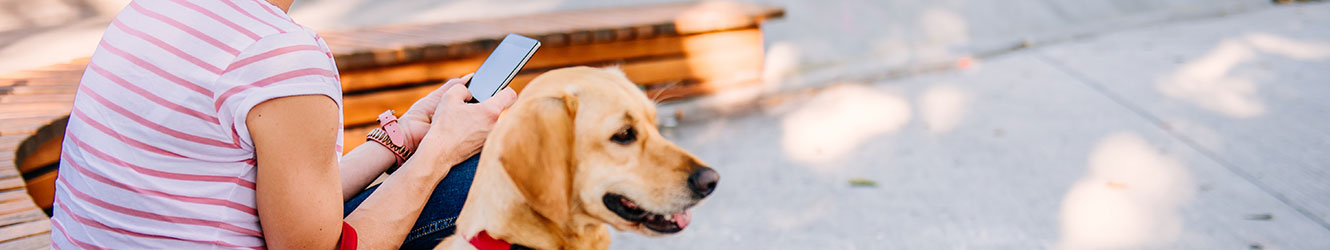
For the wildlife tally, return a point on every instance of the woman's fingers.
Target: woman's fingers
(502, 100)
(430, 102)
(460, 80)
(437, 93)
(456, 93)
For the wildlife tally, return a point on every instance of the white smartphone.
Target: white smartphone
(501, 66)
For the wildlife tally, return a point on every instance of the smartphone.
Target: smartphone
(501, 66)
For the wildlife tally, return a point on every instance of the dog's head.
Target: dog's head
(582, 143)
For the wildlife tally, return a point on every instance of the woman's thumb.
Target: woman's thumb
(503, 99)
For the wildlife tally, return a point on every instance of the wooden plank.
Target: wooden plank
(38, 241)
(581, 26)
(13, 195)
(355, 107)
(545, 58)
(716, 16)
(713, 61)
(548, 57)
(7, 168)
(52, 107)
(41, 81)
(10, 142)
(19, 99)
(11, 183)
(722, 70)
(38, 74)
(13, 207)
(31, 213)
(29, 114)
(25, 229)
(25, 125)
(43, 89)
(19, 219)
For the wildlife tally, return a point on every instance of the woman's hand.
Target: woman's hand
(416, 121)
(460, 128)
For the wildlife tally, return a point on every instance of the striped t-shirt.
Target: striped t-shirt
(156, 154)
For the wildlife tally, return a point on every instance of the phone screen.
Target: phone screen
(501, 66)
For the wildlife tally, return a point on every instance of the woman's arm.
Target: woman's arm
(299, 187)
(297, 171)
(361, 166)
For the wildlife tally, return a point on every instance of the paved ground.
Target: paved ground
(1201, 134)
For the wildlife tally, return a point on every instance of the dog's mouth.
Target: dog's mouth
(661, 223)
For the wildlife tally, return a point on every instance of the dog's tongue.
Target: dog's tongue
(682, 219)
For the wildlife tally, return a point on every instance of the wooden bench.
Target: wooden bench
(672, 50)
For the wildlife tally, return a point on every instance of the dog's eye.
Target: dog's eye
(625, 136)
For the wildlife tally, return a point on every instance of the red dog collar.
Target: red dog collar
(483, 241)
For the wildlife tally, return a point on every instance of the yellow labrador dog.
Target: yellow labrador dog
(579, 149)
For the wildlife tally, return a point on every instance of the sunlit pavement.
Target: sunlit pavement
(1200, 134)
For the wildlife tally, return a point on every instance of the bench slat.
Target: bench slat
(24, 99)
(16, 211)
(544, 58)
(25, 126)
(7, 169)
(21, 230)
(39, 241)
(716, 60)
(749, 41)
(580, 26)
(13, 195)
(11, 183)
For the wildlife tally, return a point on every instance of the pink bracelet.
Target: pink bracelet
(391, 136)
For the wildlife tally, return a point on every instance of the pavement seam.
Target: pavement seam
(1159, 123)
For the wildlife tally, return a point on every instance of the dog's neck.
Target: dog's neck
(499, 209)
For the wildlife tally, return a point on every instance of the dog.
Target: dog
(578, 150)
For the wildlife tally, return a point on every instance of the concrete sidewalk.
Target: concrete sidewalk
(1201, 134)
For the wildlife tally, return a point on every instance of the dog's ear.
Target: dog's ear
(538, 156)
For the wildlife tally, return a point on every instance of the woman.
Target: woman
(217, 125)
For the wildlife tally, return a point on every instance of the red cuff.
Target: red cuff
(348, 240)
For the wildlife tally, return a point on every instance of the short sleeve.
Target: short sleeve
(280, 65)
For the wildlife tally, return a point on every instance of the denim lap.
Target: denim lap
(437, 220)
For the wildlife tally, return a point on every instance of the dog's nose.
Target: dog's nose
(703, 181)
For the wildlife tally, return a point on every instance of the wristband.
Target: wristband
(391, 136)
(390, 125)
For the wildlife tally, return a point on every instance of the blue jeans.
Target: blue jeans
(437, 220)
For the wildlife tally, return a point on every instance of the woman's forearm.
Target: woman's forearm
(398, 201)
(361, 166)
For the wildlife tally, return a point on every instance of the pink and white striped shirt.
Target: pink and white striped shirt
(156, 154)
